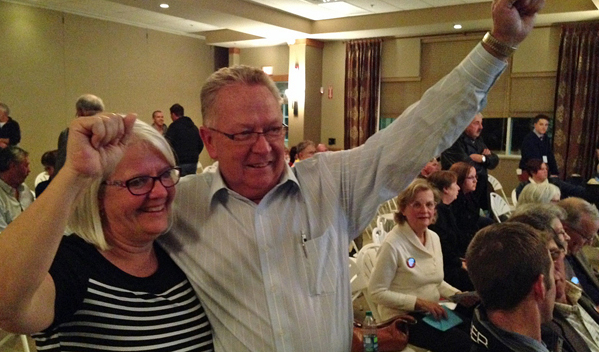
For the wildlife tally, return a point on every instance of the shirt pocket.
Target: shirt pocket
(321, 267)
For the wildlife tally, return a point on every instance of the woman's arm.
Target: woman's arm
(29, 243)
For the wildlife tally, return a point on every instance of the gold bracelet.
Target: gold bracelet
(499, 47)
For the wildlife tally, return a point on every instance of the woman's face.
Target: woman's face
(470, 181)
(421, 211)
(136, 219)
(541, 175)
(452, 191)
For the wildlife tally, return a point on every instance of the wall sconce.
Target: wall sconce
(267, 69)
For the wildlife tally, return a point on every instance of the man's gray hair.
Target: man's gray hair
(576, 207)
(88, 105)
(5, 108)
(226, 76)
(305, 144)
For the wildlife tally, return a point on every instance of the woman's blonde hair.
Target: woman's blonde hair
(407, 196)
(86, 220)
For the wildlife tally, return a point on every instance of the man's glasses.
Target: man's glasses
(142, 185)
(271, 134)
(587, 238)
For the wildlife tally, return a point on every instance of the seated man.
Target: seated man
(14, 168)
(306, 149)
(517, 295)
(581, 224)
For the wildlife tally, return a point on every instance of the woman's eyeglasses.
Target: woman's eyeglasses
(142, 185)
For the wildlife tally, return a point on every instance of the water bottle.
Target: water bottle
(371, 341)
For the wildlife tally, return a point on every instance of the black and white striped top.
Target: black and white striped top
(98, 307)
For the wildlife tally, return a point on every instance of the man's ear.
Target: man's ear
(208, 139)
(538, 288)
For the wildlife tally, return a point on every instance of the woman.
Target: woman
(454, 266)
(539, 175)
(465, 208)
(107, 287)
(406, 277)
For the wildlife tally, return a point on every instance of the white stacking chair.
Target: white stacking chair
(357, 281)
(499, 206)
(366, 260)
(378, 235)
(514, 198)
(497, 187)
(10, 336)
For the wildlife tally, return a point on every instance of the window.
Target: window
(505, 135)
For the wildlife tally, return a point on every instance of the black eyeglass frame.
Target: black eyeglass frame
(126, 184)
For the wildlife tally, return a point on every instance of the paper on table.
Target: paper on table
(443, 324)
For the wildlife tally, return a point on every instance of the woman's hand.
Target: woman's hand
(96, 143)
(435, 309)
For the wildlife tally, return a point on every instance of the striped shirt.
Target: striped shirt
(274, 276)
(98, 307)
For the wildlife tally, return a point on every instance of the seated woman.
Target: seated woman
(539, 175)
(465, 208)
(406, 277)
(535, 193)
(108, 286)
(454, 267)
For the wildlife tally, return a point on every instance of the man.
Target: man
(321, 148)
(430, 168)
(10, 132)
(158, 122)
(581, 224)
(15, 196)
(471, 148)
(265, 245)
(536, 145)
(511, 270)
(306, 149)
(86, 105)
(184, 137)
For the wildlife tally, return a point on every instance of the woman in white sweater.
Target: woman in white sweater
(408, 274)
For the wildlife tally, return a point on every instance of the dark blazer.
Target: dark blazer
(535, 148)
(184, 137)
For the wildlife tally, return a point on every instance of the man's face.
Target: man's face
(308, 152)
(3, 116)
(22, 170)
(250, 170)
(549, 302)
(583, 235)
(541, 126)
(475, 127)
(158, 118)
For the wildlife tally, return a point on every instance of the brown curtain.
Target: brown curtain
(362, 89)
(577, 100)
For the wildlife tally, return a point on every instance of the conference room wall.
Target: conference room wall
(48, 59)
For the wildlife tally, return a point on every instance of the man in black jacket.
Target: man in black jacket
(10, 132)
(184, 137)
(512, 271)
(536, 145)
(471, 148)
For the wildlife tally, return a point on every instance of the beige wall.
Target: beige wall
(333, 77)
(49, 58)
(275, 56)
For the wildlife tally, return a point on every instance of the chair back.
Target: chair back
(500, 207)
(10, 336)
(497, 187)
(366, 260)
(357, 281)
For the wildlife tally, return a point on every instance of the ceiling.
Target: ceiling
(256, 23)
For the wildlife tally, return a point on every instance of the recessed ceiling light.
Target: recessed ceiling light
(164, 6)
(457, 26)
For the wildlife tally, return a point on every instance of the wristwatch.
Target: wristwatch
(484, 159)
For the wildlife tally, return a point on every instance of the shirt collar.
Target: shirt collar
(218, 183)
(538, 134)
(8, 189)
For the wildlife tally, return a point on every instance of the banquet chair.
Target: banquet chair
(498, 188)
(10, 336)
(501, 209)
(357, 281)
(378, 235)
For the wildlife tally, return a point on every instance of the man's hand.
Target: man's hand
(514, 19)
(97, 143)
(477, 158)
(486, 151)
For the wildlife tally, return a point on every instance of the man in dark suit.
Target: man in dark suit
(536, 145)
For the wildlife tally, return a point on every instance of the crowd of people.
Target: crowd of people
(252, 254)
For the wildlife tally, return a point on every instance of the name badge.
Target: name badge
(545, 159)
